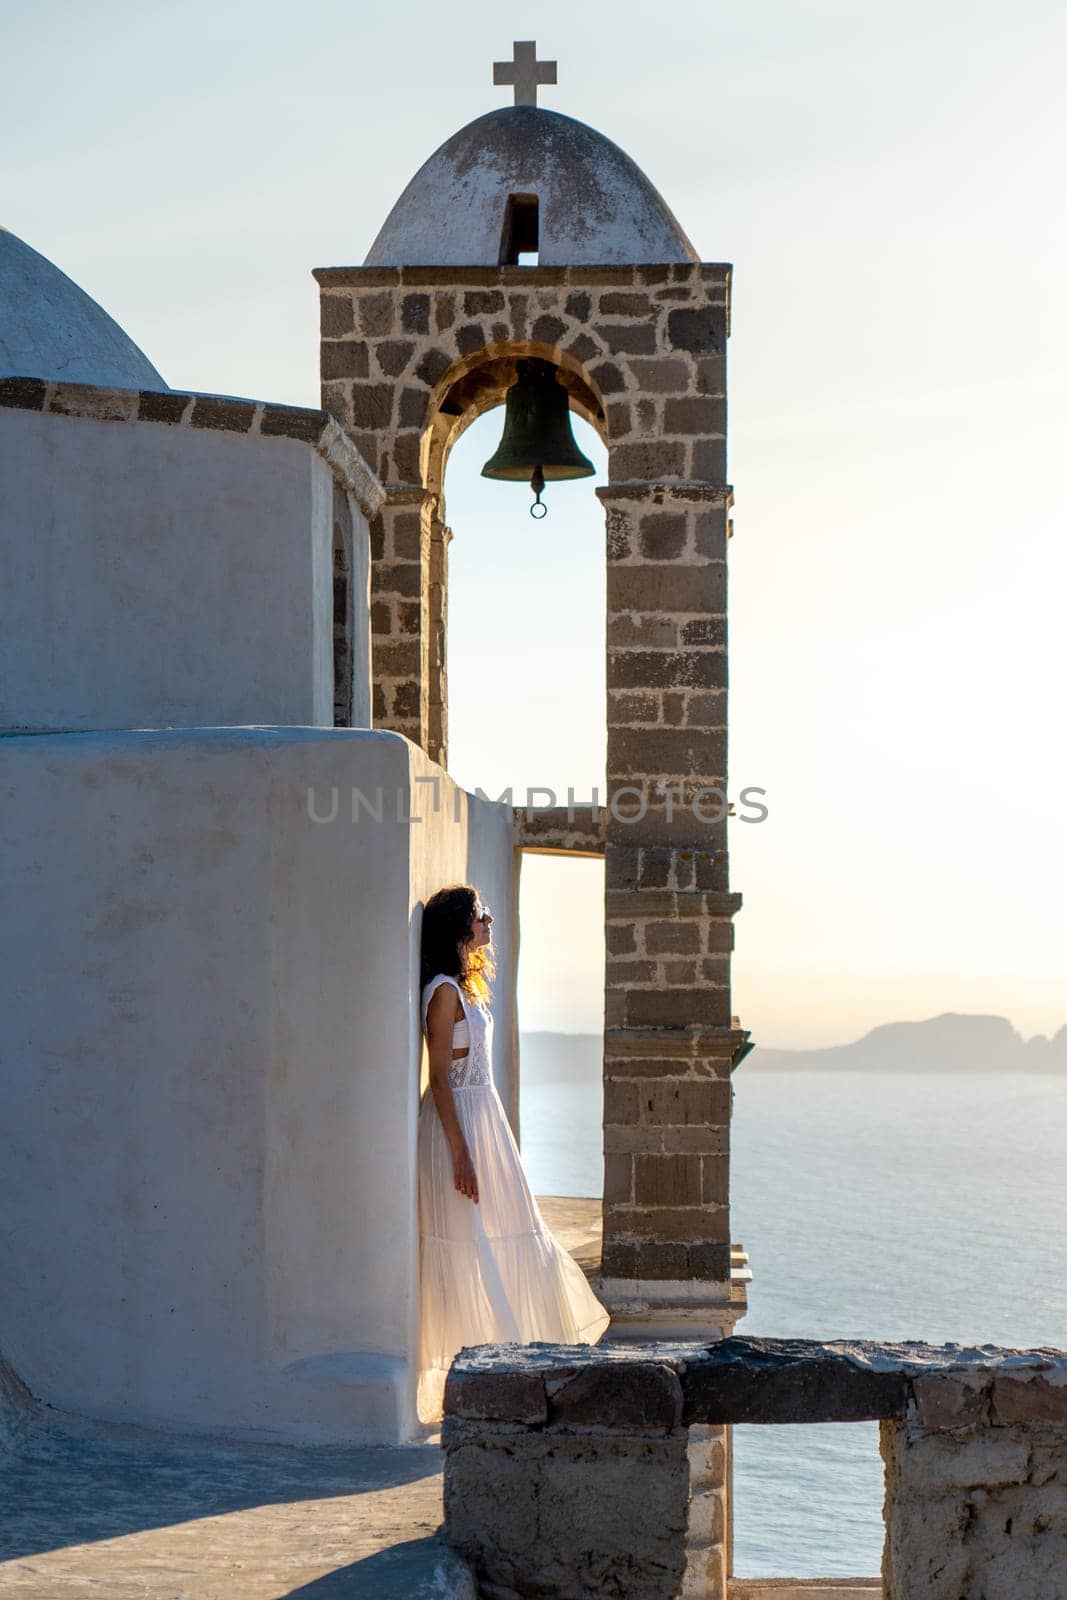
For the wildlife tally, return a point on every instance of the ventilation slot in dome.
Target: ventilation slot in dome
(520, 239)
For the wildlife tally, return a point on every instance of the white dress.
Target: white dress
(490, 1271)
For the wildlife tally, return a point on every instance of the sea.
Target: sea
(872, 1205)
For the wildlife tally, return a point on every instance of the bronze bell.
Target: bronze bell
(537, 443)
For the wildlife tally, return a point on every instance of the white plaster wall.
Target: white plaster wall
(165, 576)
(210, 1056)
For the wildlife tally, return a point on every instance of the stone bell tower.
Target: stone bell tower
(529, 234)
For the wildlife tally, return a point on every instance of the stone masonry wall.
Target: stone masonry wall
(645, 346)
(579, 1472)
(976, 1488)
(410, 356)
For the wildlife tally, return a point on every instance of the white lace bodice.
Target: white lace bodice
(476, 1067)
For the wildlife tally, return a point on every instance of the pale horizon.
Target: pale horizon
(884, 186)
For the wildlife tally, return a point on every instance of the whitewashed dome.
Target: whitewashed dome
(51, 329)
(596, 207)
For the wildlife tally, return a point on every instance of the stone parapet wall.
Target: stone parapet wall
(216, 412)
(584, 1471)
(976, 1484)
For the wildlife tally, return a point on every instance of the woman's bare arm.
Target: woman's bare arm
(440, 1018)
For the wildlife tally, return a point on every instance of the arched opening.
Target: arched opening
(526, 693)
(342, 611)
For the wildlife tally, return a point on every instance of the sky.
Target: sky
(883, 179)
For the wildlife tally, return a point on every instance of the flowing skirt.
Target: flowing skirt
(493, 1271)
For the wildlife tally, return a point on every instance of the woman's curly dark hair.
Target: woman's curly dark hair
(447, 920)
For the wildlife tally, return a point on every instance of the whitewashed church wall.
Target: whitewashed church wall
(167, 577)
(211, 1057)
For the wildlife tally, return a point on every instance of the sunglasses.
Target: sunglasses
(482, 913)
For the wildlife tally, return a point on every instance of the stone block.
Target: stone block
(672, 588)
(630, 1395)
(788, 1380)
(211, 411)
(672, 1102)
(667, 1180)
(667, 1224)
(407, 699)
(414, 314)
(406, 448)
(412, 413)
(608, 378)
(618, 1258)
(715, 1180)
(659, 1261)
(628, 338)
(661, 669)
(708, 460)
(398, 660)
(487, 1395)
(584, 349)
(621, 1103)
(662, 375)
(663, 938)
(336, 315)
(618, 1178)
(695, 414)
(650, 632)
(945, 1402)
(482, 302)
(663, 535)
(663, 752)
(648, 462)
(621, 973)
(710, 631)
(1031, 1399)
(345, 358)
(707, 710)
(377, 313)
(393, 355)
(620, 420)
(699, 329)
(547, 330)
(646, 1008)
(621, 938)
(372, 405)
(471, 337)
(406, 536)
(433, 366)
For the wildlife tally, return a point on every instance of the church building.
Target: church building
(223, 757)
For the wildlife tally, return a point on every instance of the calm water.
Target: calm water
(884, 1206)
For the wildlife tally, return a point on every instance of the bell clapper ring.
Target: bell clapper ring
(537, 484)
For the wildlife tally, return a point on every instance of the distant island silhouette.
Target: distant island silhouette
(952, 1042)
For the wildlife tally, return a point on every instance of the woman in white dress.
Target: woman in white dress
(490, 1269)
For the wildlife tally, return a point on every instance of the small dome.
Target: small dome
(595, 207)
(49, 328)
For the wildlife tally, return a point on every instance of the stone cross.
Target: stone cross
(525, 72)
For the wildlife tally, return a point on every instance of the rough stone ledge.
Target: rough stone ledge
(715, 272)
(560, 830)
(190, 409)
(938, 1387)
(671, 488)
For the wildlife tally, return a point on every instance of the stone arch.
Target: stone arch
(471, 386)
(477, 383)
